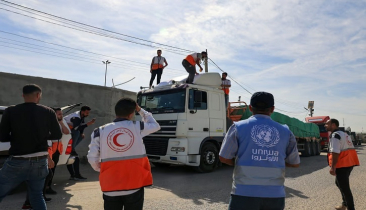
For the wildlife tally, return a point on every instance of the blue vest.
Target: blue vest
(260, 162)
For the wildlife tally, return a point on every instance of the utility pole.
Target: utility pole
(206, 62)
(310, 108)
(105, 76)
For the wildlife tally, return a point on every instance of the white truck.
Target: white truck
(192, 118)
(66, 140)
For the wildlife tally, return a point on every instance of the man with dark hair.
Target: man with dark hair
(76, 122)
(54, 150)
(118, 153)
(225, 85)
(157, 67)
(189, 63)
(260, 149)
(342, 157)
(27, 127)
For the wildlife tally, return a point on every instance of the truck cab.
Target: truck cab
(324, 134)
(192, 119)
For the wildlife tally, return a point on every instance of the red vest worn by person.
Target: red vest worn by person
(192, 58)
(348, 155)
(124, 164)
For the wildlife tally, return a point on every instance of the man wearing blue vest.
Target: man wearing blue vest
(260, 149)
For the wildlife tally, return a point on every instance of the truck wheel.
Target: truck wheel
(317, 148)
(209, 158)
(313, 148)
(307, 149)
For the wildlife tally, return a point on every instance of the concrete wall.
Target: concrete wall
(59, 93)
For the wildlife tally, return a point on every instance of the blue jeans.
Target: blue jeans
(34, 172)
(255, 203)
(76, 138)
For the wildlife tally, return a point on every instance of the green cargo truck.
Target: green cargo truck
(307, 134)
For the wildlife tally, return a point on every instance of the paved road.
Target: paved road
(308, 187)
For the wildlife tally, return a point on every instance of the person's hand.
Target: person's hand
(82, 136)
(197, 73)
(150, 71)
(138, 108)
(201, 70)
(51, 163)
(91, 122)
(332, 171)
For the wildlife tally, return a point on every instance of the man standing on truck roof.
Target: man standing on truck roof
(225, 84)
(27, 127)
(260, 149)
(157, 67)
(118, 153)
(342, 157)
(54, 150)
(189, 63)
(76, 122)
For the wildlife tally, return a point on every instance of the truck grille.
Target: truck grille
(157, 143)
(156, 146)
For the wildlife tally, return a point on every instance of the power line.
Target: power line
(90, 26)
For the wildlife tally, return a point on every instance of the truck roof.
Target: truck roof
(317, 119)
(209, 80)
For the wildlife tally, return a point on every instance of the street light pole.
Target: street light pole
(105, 76)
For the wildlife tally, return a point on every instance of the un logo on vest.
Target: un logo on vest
(120, 139)
(265, 136)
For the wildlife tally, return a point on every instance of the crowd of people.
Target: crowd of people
(34, 132)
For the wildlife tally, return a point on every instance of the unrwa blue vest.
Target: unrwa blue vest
(260, 164)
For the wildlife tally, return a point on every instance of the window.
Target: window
(172, 101)
(197, 100)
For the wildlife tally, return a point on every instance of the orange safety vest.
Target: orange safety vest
(225, 89)
(124, 163)
(193, 57)
(158, 62)
(348, 155)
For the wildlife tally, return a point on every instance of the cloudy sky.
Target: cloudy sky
(297, 50)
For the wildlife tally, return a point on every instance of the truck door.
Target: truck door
(197, 116)
(217, 114)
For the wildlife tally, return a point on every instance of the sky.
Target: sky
(299, 51)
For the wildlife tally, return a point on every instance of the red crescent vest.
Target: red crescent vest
(124, 164)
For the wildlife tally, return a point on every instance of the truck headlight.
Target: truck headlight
(178, 149)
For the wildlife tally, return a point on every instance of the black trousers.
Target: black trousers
(134, 201)
(158, 72)
(74, 168)
(55, 158)
(342, 182)
(255, 203)
(191, 71)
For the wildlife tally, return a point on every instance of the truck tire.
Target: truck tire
(307, 150)
(317, 147)
(313, 148)
(209, 158)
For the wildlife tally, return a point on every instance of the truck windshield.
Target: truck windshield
(322, 128)
(172, 101)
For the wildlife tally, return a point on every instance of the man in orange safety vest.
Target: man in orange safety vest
(342, 157)
(117, 151)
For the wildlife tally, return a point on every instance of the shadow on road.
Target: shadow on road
(294, 193)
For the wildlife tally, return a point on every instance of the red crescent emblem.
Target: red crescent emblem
(125, 142)
(115, 140)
